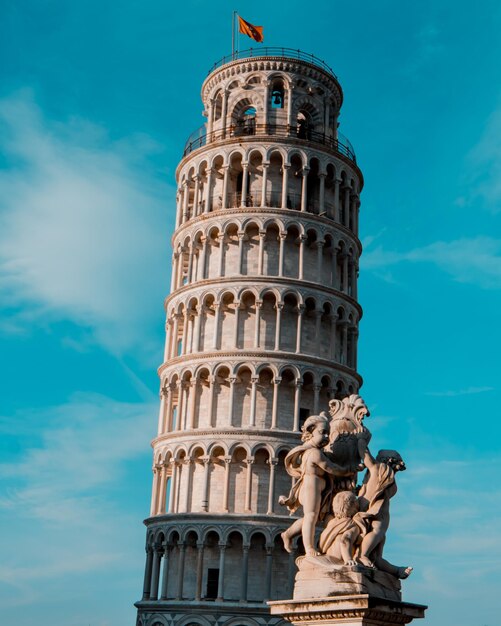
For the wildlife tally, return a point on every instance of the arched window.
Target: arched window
(304, 125)
(246, 123)
(277, 95)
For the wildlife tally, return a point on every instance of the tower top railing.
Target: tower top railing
(200, 137)
(286, 53)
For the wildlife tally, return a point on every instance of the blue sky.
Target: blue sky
(96, 101)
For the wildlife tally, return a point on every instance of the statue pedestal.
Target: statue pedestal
(348, 610)
(327, 592)
(323, 577)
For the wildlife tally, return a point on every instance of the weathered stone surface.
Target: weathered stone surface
(322, 577)
(352, 610)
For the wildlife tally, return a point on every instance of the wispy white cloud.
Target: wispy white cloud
(60, 495)
(452, 393)
(427, 46)
(82, 226)
(476, 261)
(484, 168)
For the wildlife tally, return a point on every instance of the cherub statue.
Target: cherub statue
(346, 424)
(343, 532)
(374, 497)
(311, 467)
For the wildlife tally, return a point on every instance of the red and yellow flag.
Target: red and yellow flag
(254, 32)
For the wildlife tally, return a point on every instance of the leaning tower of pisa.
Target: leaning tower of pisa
(261, 331)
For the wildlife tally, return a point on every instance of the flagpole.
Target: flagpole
(233, 35)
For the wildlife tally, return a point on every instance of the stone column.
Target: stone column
(196, 178)
(190, 264)
(273, 462)
(237, 316)
(278, 324)
(321, 192)
(232, 380)
(318, 326)
(208, 199)
(147, 573)
(297, 404)
(180, 405)
(332, 353)
(155, 572)
(283, 237)
(241, 236)
(200, 570)
(252, 417)
(173, 486)
(262, 235)
(210, 119)
(161, 412)
(316, 398)
(180, 580)
(346, 205)
(196, 331)
(266, 103)
(187, 463)
(285, 183)
(245, 573)
(345, 272)
(186, 198)
(212, 382)
(168, 425)
(221, 240)
(185, 333)
(337, 184)
(168, 338)
(354, 275)
(300, 313)
(274, 411)
(304, 191)
(320, 249)
(265, 182)
(302, 240)
(269, 571)
(165, 573)
(344, 331)
(224, 111)
(289, 108)
(220, 585)
(248, 484)
(203, 259)
(205, 493)
(154, 491)
(257, 328)
(191, 404)
(245, 183)
(334, 270)
(215, 337)
(175, 261)
(162, 489)
(226, 487)
(175, 331)
(226, 174)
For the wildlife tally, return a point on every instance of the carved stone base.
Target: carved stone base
(349, 610)
(323, 577)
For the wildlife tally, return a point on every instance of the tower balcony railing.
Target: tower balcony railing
(201, 137)
(267, 51)
(272, 199)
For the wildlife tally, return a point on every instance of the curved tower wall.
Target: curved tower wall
(261, 331)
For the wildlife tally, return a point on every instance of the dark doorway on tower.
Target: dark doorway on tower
(303, 416)
(212, 583)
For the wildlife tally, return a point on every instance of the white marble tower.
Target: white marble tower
(261, 331)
